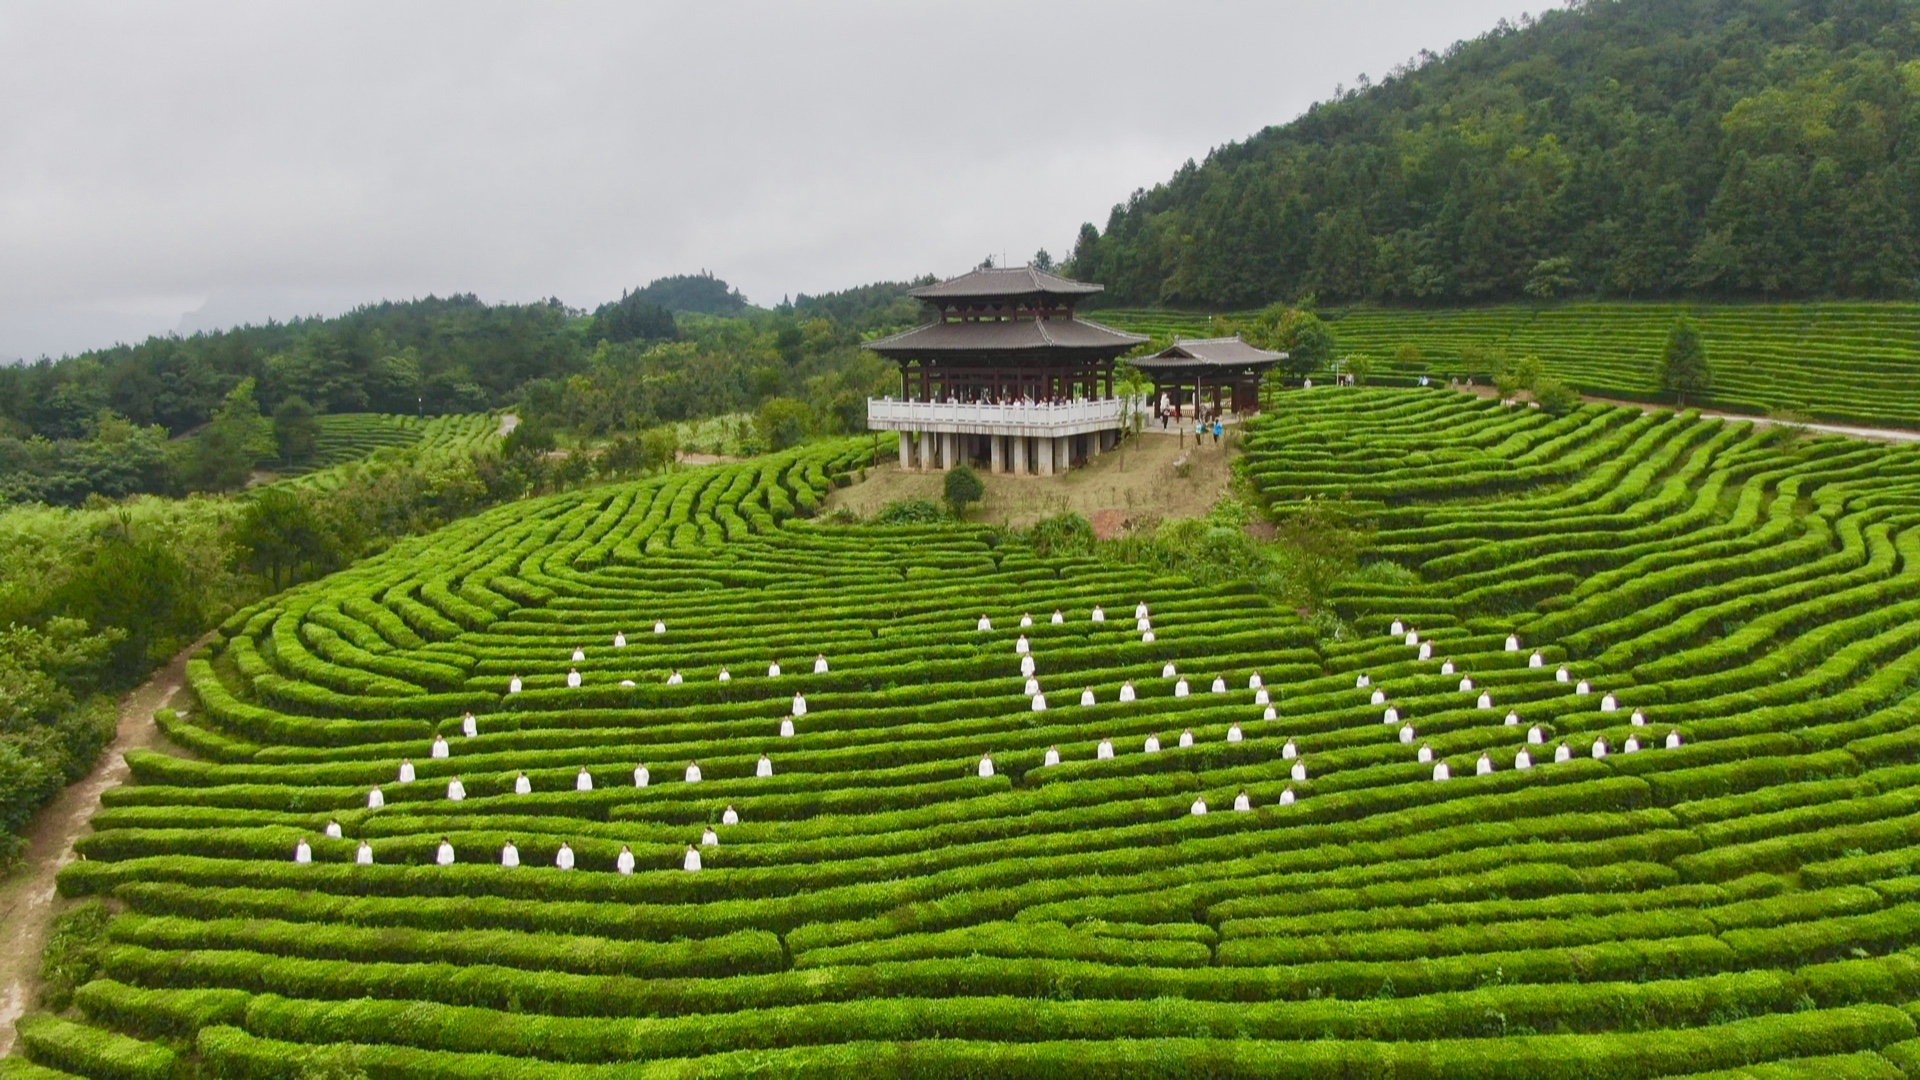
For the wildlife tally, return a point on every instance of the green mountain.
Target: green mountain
(1633, 148)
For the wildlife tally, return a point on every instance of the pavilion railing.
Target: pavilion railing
(886, 413)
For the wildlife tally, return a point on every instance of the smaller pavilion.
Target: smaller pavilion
(1192, 372)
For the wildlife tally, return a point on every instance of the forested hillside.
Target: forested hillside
(1622, 148)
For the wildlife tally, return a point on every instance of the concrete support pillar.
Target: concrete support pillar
(1063, 453)
(906, 450)
(949, 450)
(997, 450)
(1019, 444)
(929, 450)
(1093, 444)
(1045, 446)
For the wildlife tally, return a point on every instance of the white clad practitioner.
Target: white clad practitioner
(1426, 651)
(986, 766)
(444, 856)
(674, 678)
(1441, 771)
(641, 776)
(1536, 736)
(302, 851)
(1269, 714)
(1147, 638)
(375, 800)
(1632, 745)
(456, 790)
(799, 705)
(1466, 684)
(1609, 703)
(1026, 664)
(1513, 643)
(333, 829)
(1639, 718)
(1241, 802)
(579, 655)
(1485, 701)
(624, 863)
(1446, 668)
(820, 664)
(1391, 716)
(1379, 697)
(786, 728)
(364, 856)
(1260, 697)
(522, 785)
(1562, 752)
(440, 747)
(1563, 675)
(1253, 681)
(1026, 620)
(1126, 690)
(513, 685)
(1180, 688)
(1583, 687)
(1033, 687)
(583, 782)
(1143, 625)
(1104, 751)
(773, 670)
(1289, 751)
(764, 768)
(1536, 661)
(1021, 646)
(1140, 610)
(1053, 756)
(729, 816)
(626, 684)
(1233, 733)
(1059, 617)
(1186, 738)
(1396, 629)
(1412, 638)
(1523, 760)
(1361, 682)
(1168, 671)
(573, 678)
(1199, 808)
(1086, 696)
(693, 772)
(1152, 745)
(692, 861)
(1406, 734)
(406, 771)
(1039, 703)
(659, 627)
(1513, 719)
(709, 838)
(1673, 739)
(1286, 797)
(984, 624)
(620, 639)
(725, 675)
(1483, 766)
(1425, 756)
(1599, 748)
(1300, 769)
(1219, 684)
(469, 726)
(1099, 614)
(509, 855)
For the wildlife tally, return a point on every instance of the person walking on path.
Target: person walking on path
(1216, 429)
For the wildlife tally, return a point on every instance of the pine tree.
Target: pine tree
(1683, 366)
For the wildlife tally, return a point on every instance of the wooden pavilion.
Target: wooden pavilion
(1199, 371)
(1005, 373)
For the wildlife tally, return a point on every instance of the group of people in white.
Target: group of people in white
(1523, 758)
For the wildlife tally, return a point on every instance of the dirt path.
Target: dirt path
(1852, 431)
(508, 421)
(28, 902)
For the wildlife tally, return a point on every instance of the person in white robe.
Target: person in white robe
(1140, 610)
(1286, 797)
(1026, 620)
(1483, 766)
(440, 747)
(641, 777)
(986, 766)
(513, 685)
(1021, 646)
(820, 664)
(1563, 675)
(1631, 746)
(1485, 701)
(584, 781)
(1087, 698)
(1609, 703)
(1219, 684)
(579, 655)
(624, 861)
(1379, 697)
(1407, 734)
(1152, 745)
(1033, 687)
(1446, 668)
(1536, 736)
(1582, 687)
(364, 856)
(444, 856)
(1289, 751)
(692, 861)
(573, 678)
(1270, 714)
(1396, 629)
(709, 838)
(1361, 682)
(406, 771)
(693, 772)
(984, 624)
(1168, 671)
(1180, 688)
(1104, 752)
(729, 816)
(626, 684)
(725, 675)
(1099, 614)
(1466, 684)
(333, 829)
(673, 679)
(764, 768)
(1186, 738)
(1126, 690)
(1673, 739)
(1425, 754)
(1052, 758)
(1562, 752)
(1599, 748)
(1639, 719)
(1039, 703)
(1234, 734)
(1199, 808)
(1143, 625)
(1536, 661)
(1522, 759)
(773, 670)
(1300, 769)
(1441, 771)
(522, 785)
(799, 705)
(1026, 665)
(1241, 803)
(1513, 719)
(659, 627)
(1412, 638)
(620, 639)
(302, 851)
(456, 790)
(1513, 643)
(375, 800)
(1391, 715)
(1059, 617)
(1426, 650)
(786, 728)
(509, 855)
(1254, 681)
(469, 726)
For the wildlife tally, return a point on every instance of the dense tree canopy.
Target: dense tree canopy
(1714, 148)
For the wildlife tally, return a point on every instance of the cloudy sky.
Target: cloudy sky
(188, 165)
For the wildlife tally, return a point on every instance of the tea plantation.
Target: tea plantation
(1849, 362)
(349, 437)
(1633, 791)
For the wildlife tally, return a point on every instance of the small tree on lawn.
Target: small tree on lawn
(1683, 366)
(963, 487)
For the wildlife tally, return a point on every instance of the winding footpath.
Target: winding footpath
(28, 899)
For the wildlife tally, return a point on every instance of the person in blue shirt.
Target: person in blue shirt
(1216, 430)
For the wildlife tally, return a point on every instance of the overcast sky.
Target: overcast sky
(183, 166)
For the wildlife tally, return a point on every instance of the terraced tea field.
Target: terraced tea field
(1857, 362)
(1421, 852)
(346, 438)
